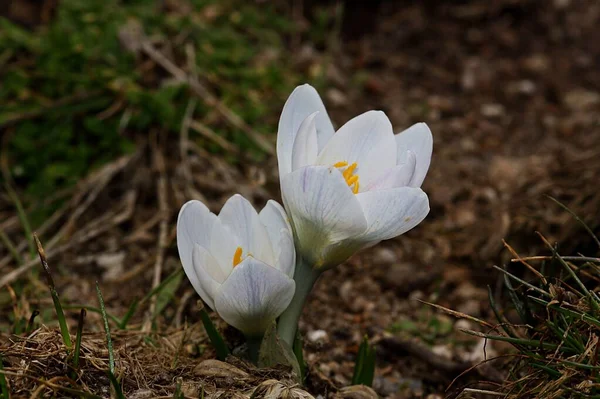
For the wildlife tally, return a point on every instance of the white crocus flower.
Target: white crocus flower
(240, 262)
(348, 190)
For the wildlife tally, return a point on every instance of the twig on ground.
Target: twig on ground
(210, 134)
(161, 192)
(97, 227)
(484, 392)
(394, 345)
(186, 171)
(101, 179)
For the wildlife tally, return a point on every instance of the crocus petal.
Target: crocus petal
(253, 296)
(194, 226)
(223, 245)
(243, 221)
(286, 254)
(368, 140)
(205, 267)
(322, 207)
(303, 101)
(392, 212)
(275, 220)
(419, 140)
(305, 148)
(398, 176)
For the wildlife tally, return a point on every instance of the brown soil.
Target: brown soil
(511, 91)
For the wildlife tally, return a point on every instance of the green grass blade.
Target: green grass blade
(3, 383)
(554, 373)
(115, 384)
(501, 320)
(568, 312)
(369, 367)
(166, 294)
(64, 329)
(577, 218)
(298, 352)
(215, 338)
(520, 304)
(130, 312)
(564, 338)
(593, 298)
(158, 288)
(178, 394)
(360, 360)
(111, 356)
(525, 283)
(575, 334)
(580, 365)
(364, 368)
(18, 326)
(519, 341)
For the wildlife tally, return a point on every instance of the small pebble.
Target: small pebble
(384, 256)
(317, 335)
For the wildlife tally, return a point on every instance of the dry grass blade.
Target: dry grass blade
(210, 134)
(55, 387)
(482, 392)
(527, 265)
(459, 315)
(109, 345)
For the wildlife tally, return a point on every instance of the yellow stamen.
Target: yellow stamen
(237, 256)
(348, 174)
(349, 170)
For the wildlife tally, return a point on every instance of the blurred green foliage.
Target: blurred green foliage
(427, 326)
(73, 98)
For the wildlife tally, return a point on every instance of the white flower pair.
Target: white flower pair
(342, 191)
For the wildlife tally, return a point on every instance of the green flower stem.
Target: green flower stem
(305, 277)
(253, 343)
